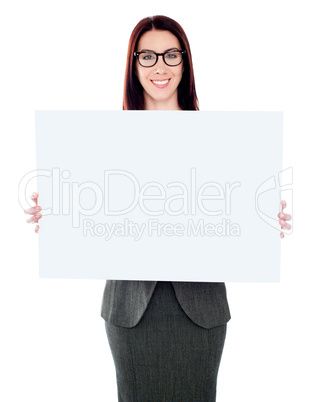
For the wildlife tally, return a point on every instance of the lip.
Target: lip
(163, 85)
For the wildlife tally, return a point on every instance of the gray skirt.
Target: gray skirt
(166, 357)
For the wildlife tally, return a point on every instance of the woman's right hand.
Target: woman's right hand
(34, 211)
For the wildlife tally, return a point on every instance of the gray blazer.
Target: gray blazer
(205, 303)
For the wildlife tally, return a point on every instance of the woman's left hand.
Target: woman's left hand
(284, 217)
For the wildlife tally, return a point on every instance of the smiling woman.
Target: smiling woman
(161, 82)
(159, 72)
(166, 338)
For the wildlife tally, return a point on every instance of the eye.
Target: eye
(147, 56)
(171, 55)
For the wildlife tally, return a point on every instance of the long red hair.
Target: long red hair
(133, 98)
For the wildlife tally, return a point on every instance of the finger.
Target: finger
(283, 203)
(280, 222)
(34, 197)
(281, 235)
(34, 218)
(286, 217)
(33, 210)
(284, 225)
(37, 228)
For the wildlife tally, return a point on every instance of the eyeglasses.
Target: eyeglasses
(149, 58)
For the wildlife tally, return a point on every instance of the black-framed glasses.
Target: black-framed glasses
(149, 58)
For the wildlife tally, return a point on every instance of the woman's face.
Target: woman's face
(155, 97)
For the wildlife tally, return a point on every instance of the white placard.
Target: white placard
(159, 195)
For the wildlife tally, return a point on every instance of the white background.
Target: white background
(248, 55)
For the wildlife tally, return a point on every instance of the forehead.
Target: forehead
(157, 40)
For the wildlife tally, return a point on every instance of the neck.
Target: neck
(168, 104)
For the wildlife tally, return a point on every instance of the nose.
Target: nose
(160, 65)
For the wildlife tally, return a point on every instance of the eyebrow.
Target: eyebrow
(149, 50)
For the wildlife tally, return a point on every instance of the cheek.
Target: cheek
(142, 75)
(143, 79)
(139, 72)
(180, 72)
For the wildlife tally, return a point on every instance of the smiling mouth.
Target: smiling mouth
(160, 83)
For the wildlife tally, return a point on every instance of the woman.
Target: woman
(166, 338)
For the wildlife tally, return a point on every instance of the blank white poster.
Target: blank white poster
(159, 195)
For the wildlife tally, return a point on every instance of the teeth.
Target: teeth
(160, 82)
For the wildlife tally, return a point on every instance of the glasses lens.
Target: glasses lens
(147, 59)
(173, 58)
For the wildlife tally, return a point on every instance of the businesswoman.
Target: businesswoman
(166, 338)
